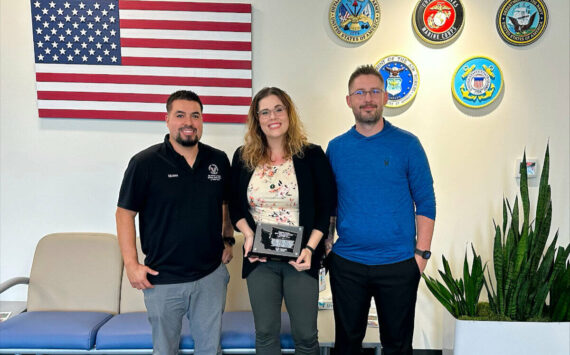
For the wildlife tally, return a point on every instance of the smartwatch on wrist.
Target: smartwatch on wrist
(426, 254)
(229, 241)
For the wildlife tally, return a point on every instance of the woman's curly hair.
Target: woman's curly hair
(255, 151)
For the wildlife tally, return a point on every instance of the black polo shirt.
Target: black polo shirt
(180, 209)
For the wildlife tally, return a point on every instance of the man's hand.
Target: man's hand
(303, 262)
(227, 254)
(137, 276)
(421, 263)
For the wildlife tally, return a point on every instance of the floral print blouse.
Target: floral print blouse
(273, 194)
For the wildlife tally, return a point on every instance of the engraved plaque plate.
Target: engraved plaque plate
(277, 241)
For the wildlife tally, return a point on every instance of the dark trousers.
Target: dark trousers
(394, 287)
(268, 284)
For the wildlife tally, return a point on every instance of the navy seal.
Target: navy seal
(521, 23)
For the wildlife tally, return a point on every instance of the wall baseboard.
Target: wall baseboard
(416, 352)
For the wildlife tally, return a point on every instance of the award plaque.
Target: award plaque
(277, 241)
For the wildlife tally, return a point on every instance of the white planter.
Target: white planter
(462, 337)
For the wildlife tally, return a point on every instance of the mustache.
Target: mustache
(368, 105)
(187, 127)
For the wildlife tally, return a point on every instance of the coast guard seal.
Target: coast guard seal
(354, 21)
(521, 23)
(477, 82)
(438, 21)
(401, 79)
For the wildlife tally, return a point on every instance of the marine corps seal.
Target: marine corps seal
(477, 82)
(521, 23)
(438, 21)
(354, 21)
(401, 79)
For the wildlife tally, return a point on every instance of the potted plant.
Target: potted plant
(519, 318)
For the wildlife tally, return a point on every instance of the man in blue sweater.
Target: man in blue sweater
(385, 221)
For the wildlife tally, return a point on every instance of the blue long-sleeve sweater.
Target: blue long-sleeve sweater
(383, 181)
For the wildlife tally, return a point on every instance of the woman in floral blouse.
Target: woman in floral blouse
(278, 177)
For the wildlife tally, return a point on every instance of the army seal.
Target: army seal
(438, 21)
(354, 21)
(521, 23)
(401, 79)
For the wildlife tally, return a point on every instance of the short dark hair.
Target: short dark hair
(366, 69)
(183, 95)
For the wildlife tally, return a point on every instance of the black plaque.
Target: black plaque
(277, 241)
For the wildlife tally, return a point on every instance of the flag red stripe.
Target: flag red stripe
(131, 115)
(183, 6)
(187, 63)
(185, 44)
(142, 79)
(148, 98)
(187, 25)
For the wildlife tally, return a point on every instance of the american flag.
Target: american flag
(115, 59)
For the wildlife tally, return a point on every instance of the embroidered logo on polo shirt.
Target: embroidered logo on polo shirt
(214, 176)
(170, 176)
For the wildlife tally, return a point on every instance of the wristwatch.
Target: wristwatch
(229, 241)
(426, 254)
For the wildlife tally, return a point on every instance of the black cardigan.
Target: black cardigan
(317, 198)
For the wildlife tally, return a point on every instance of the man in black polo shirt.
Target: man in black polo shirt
(179, 188)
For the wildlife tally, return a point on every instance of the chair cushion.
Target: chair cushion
(52, 330)
(133, 331)
(77, 272)
(238, 331)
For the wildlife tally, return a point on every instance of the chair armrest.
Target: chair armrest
(13, 282)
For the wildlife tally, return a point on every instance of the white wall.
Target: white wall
(64, 175)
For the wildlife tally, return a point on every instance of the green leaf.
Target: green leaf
(541, 235)
(498, 260)
(543, 198)
(505, 217)
(515, 219)
(524, 193)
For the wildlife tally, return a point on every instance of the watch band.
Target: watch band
(426, 254)
(229, 241)
(310, 249)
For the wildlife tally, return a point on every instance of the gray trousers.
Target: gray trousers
(202, 301)
(268, 284)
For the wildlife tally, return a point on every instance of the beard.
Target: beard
(368, 118)
(190, 141)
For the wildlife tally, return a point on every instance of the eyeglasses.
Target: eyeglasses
(277, 111)
(362, 93)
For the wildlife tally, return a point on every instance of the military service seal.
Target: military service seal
(477, 82)
(354, 21)
(401, 79)
(438, 21)
(521, 23)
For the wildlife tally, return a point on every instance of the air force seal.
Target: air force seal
(401, 79)
(521, 23)
(354, 21)
(477, 82)
(438, 21)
